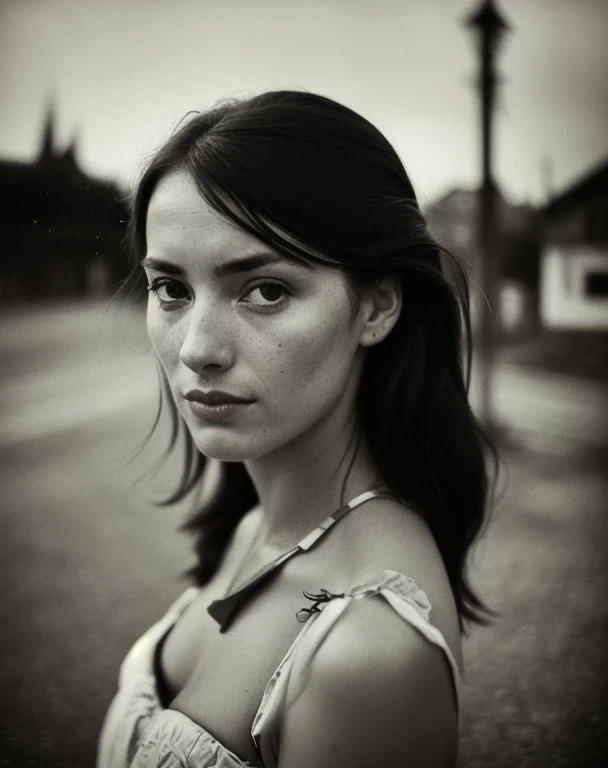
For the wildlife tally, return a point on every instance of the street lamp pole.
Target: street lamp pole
(489, 26)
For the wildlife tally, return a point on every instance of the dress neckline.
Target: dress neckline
(409, 595)
(224, 610)
(162, 687)
(227, 606)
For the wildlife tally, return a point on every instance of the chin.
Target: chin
(228, 446)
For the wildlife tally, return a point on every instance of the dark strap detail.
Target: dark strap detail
(324, 596)
(224, 609)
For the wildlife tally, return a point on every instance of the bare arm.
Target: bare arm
(377, 693)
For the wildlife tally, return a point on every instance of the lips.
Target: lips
(215, 397)
(221, 408)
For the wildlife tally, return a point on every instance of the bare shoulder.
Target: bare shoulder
(375, 693)
(385, 534)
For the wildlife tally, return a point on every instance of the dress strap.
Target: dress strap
(401, 594)
(224, 609)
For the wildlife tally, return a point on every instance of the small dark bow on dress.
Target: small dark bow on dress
(323, 597)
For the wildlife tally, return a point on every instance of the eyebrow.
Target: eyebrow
(236, 266)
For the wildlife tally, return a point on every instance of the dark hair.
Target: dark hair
(323, 174)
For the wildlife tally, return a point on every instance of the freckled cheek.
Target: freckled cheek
(165, 342)
(153, 324)
(306, 360)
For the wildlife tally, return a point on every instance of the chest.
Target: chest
(218, 679)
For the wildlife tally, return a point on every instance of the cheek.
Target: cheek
(164, 339)
(314, 356)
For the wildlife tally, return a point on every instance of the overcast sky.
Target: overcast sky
(123, 72)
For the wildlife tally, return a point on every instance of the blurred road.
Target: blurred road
(70, 365)
(549, 411)
(87, 563)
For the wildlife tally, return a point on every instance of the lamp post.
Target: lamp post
(489, 27)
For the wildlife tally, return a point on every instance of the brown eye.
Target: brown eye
(174, 290)
(168, 291)
(267, 294)
(271, 292)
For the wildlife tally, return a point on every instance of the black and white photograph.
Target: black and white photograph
(304, 383)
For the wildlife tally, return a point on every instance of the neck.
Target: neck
(303, 483)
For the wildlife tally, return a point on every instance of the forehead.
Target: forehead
(178, 216)
(180, 224)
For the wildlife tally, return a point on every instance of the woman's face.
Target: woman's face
(227, 313)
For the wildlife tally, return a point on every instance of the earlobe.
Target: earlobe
(370, 338)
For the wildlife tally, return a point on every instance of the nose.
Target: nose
(208, 343)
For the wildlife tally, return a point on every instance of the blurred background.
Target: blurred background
(499, 113)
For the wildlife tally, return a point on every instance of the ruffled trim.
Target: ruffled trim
(400, 585)
(177, 740)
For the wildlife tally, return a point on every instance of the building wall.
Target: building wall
(574, 258)
(453, 220)
(62, 230)
(585, 220)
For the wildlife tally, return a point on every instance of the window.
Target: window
(596, 284)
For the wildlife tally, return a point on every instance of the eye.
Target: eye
(168, 291)
(267, 294)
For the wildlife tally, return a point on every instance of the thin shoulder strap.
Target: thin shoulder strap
(224, 609)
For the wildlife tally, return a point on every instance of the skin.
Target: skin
(299, 356)
(298, 353)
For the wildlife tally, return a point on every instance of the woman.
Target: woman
(309, 345)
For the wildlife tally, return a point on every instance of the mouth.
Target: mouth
(215, 397)
(215, 406)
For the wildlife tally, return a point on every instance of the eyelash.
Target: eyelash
(155, 285)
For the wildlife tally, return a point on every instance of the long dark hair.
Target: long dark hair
(303, 164)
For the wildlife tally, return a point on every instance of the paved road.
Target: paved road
(87, 563)
(69, 365)
(549, 411)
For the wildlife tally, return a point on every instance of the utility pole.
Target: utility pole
(488, 27)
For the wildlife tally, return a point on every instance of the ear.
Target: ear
(380, 310)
